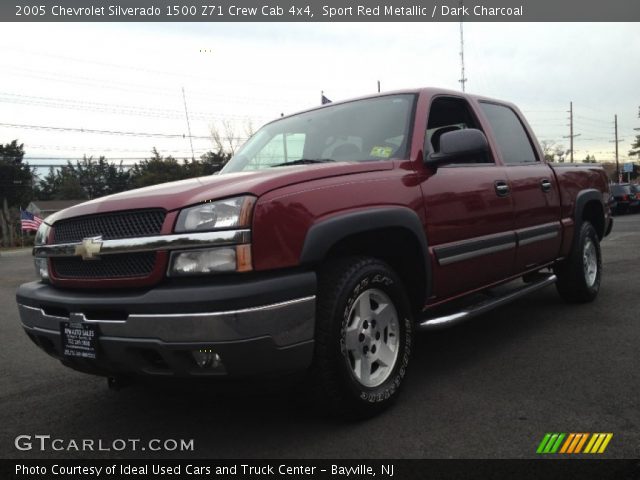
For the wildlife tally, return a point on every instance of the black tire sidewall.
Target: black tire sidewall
(375, 275)
(587, 232)
(572, 281)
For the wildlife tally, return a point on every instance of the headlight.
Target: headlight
(229, 213)
(42, 264)
(42, 234)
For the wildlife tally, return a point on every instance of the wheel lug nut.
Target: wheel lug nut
(365, 349)
(373, 324)
(373, 349)
(361, 337)
(365, 325)
(377, 335)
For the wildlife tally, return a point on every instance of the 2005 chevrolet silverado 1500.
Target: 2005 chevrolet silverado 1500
(324, 244)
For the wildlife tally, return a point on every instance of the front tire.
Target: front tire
(579, 275)
(364, 335)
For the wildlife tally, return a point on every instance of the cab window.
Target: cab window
(448, 114)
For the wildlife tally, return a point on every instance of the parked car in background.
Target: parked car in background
(635, 204)
(624, 198)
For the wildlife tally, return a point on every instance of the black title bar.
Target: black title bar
(327, 11)
(317, 469)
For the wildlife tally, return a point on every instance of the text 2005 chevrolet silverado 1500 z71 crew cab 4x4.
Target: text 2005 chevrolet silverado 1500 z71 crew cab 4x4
(327, 240)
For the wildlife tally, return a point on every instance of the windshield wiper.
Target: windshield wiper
(304, 161)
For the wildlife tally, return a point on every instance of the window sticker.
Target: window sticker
(381, 152)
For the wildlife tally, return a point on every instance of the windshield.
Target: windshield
(358, 131)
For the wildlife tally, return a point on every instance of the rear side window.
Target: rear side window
(511, 136)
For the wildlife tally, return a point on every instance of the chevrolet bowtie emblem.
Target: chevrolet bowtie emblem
(89, 249)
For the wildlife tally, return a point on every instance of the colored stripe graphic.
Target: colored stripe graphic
(572, 448)
(574, 443)
(543, 443)
(550, 443)
(581, 443)
(591, 442)
(567, 443)
(598, 442)
(555, 447)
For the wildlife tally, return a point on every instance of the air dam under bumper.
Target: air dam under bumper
(256, 327)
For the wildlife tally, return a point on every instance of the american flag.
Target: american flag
(29, 221)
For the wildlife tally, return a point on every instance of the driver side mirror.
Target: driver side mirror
(457, 145)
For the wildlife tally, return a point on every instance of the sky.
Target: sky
(126, 79)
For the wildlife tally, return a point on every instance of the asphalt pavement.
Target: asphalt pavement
(490, 388)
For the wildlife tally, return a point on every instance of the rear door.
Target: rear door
(532, 187)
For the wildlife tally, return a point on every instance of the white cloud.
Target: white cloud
(129, 76)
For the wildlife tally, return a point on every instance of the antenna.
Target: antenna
(184, 98)
(463, 79)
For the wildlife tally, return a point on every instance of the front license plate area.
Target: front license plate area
(79, 340)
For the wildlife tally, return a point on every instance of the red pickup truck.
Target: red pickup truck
(327, 241)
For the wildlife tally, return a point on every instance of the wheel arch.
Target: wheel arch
(404, 246)
(589, 208)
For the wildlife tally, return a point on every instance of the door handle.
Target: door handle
(502, 189)
(545, 184)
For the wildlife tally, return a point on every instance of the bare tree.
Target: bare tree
(553, 152)
(226, 138)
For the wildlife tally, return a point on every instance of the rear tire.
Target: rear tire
(364, 335)
(579, 275)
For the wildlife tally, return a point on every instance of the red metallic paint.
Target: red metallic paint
(453, 204)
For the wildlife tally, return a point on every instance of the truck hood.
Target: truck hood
(176, 195)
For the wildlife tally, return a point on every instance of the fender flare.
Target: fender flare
(584, 197)
(326, 233)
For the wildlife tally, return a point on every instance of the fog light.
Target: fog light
(206, 358)
(42, 268)
(193, 262)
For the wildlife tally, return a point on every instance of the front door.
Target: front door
(468, 209)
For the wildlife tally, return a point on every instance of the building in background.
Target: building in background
(44, 208)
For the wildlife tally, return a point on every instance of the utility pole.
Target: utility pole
(184, 98)
(378, 86)
(571, 135)
(617, 141)
(615, 120)
(463, 79)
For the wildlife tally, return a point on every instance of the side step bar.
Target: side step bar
(445, 321)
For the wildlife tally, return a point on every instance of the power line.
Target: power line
(181, 75)
(73, 104)
(101, 132)
(135, 87)
(73, 159)
(30, 147)
(592, 120)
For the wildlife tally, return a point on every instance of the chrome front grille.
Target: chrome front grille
(110, 226)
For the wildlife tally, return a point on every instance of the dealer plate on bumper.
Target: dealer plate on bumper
(79, 340)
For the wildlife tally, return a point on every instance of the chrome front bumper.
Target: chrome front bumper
(153, 332)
